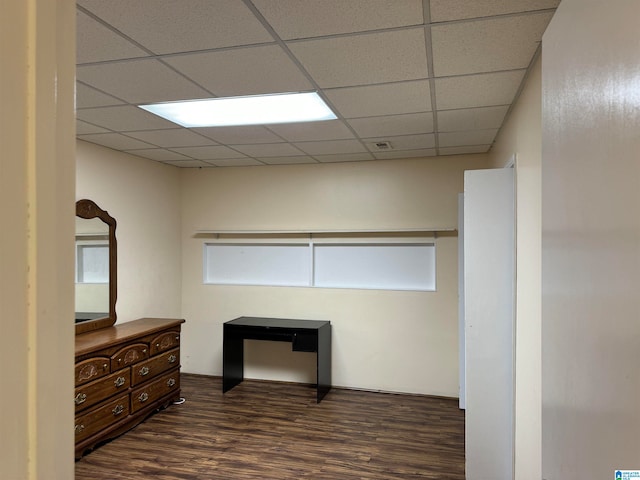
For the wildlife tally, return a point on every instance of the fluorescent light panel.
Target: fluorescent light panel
(248, 110)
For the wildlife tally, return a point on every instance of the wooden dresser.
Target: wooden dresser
(123, 374)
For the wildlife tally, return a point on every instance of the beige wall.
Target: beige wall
(521, 137)
(395, 341)
(144, 198)
(36, 239)
(590, 239)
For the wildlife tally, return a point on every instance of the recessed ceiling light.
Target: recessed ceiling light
(248, 110)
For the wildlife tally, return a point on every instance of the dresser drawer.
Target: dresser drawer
(149, 393)
(165, 341)
(148, 369)
(129, 355)
(95, 392)
(95, 420)
(91, 369)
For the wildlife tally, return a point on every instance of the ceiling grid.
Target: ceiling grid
(431, 77)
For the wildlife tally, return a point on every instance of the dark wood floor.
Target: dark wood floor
(267, 430)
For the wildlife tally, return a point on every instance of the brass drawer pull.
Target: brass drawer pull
(79, 428)
(172, 358)
(171, 382)
(80, 398)
(144, 396)
(119, 381)
(144, 371)
(118, 410)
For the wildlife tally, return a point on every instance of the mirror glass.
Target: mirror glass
(95, 272)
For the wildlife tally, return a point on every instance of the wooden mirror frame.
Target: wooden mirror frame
(88, 209)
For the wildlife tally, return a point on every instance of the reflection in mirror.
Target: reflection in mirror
(92, 269)
(96, 276)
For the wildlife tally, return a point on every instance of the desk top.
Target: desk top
(277, 323)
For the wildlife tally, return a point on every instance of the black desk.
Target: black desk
(305, 335)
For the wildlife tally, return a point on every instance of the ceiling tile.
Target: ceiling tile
(392, 125)
(364, 59)
(84, 128)
(471, 137)
(445, 10)
(504, 43)
(167, 26)
(405, 142)
(158, 154)
(293, 160)
(331, 147)
(315, 18)
(175, 137)
(87, 97)
(208, 153)
(344, 157)
(309, 131)
(140, 81)
(188, 163)
(234, 162)
(471, 118)
(385, 99)
(97, 43)
(483, 90)
(114, 140)
(268, 150)
(123, 118)
(425, 152)
(243, 71)
(239, 135)
(464, 150)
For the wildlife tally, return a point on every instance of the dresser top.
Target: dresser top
(105, 337)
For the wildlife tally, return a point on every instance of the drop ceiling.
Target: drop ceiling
(421, 77)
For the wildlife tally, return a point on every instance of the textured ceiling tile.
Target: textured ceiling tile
(234, 162)
(309, 131)
(175, 137)
(239, 135)
(168, 26)
(84, 128)
(471, 137)
(471, 118)
(293, 160)
(314, 18)
(344, 157)
(208, 153)
(140, 81)
(392, 125)
(158, 154)
(405, 142)
(97, 43)
(123, 118)
(87, 97)
(365, 59)
(481, 90)
(494, 44)
(331, 147)
(425, 152)
(386, 99)
(464, 150)
(114, 140)
(445, 10)
(268, 150)
(188, 163)
(243, 71)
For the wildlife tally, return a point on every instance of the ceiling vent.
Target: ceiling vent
(381, 146)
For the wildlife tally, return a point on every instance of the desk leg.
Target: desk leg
(232, 360)
(324, 361)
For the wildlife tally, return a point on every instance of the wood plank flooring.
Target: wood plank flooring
(268, 430)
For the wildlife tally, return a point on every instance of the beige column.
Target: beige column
(37, 184)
